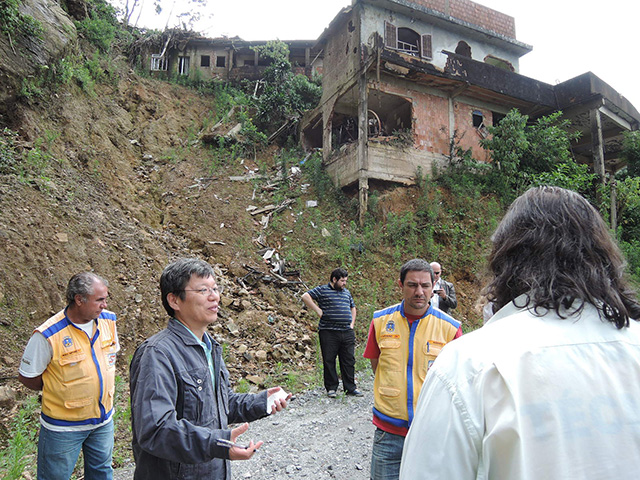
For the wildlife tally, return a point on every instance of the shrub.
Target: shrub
(13, 21)
(284, 95)
(100, 28)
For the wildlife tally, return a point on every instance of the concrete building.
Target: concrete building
(404, 79)
(226, 59)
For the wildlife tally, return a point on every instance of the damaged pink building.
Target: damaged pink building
(402, 78)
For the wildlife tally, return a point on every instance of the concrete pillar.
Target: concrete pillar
(597, 148)
(363, 137)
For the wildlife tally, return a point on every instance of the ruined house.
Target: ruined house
(404, 79)
(178, 52)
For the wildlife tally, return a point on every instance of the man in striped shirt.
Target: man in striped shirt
(334, 305)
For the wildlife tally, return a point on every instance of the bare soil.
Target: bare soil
(126, 188)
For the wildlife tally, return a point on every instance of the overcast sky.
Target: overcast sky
(569, 37)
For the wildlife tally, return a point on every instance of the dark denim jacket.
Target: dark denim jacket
(176, 415)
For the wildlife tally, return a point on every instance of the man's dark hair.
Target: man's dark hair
(338, 273)
(82, 284)
(177, 274)
(553, 246)
(415, 265)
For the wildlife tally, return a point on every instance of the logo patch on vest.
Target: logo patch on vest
(390, 326)
(67, 342)
(111, 359)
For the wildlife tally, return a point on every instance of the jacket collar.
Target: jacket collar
(187, 338)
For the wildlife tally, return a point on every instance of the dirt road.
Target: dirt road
(316, 437)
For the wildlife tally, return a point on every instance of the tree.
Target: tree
(534, 153)
(186, 12)
(284, 95)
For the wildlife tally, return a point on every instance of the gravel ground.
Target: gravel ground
(315, 437)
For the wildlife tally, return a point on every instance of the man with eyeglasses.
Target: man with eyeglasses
(72, 359)
(444, 295)
(181, 401)
(403, 342)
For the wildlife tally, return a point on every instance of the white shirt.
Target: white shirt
(435, 298)
(530, 398)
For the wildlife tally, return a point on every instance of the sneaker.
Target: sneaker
(331, 394)
(356, 393)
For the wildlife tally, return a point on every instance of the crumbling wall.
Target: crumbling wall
(467, 135)
(341, 59)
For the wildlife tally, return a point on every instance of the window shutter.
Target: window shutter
(426, 47)
(390, 35)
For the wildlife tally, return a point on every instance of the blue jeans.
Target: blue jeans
(58, 453)
(386, 455)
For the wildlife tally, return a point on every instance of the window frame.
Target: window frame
(159, 63)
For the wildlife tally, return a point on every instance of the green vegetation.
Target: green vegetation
(20, 451)
(627, 187)
(121, 418)
(84, 72)
(14, 22)
(527, 154)
(284, 96)
(29, 162)
(101, 27)
(100, 30)
(291, 380)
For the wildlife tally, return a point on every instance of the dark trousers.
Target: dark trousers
(340, 344)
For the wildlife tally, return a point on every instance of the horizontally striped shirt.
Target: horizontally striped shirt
(336, 307)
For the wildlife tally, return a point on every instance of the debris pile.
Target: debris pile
(262, 321)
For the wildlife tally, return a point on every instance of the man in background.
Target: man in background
(334, 305)
(444, 295)
(403, 342)
(72, 358)
(547, 388)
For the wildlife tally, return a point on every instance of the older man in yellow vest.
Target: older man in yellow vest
(71, 357)
(403, 342)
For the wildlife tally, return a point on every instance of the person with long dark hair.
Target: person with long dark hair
(548, 387)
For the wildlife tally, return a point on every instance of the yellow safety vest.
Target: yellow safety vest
(79, 382)
(406, 353)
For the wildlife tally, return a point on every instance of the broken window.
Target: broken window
(158, 63)
(221, 61)
(344, 129)
(478, 118)
(478, 123)
(183, 65)
(407, 41)
(388, 114)
(463, 49)
(205, 60)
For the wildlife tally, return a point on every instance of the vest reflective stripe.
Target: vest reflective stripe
(406, 353)
(79, 382)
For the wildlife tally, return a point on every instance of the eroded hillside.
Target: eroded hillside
(116, 180)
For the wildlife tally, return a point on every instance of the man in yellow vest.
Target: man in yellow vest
(71, 357)
(403, 342)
